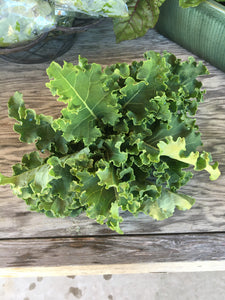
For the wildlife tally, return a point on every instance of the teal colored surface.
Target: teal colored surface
(200, 29)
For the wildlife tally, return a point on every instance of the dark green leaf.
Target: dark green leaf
(143, 14)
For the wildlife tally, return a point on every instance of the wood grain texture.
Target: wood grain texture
(98, 44)
(137, 268)
(109, 251)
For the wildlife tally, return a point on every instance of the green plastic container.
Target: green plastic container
(200, 29)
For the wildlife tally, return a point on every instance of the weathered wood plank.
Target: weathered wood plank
(139, 268)
(209, 210)
(107, 254)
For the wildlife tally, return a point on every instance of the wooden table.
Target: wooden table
(32, 244)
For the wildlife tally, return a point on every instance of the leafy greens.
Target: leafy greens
(105, 8)
(124, 140)
(143, 14)
(21, 22)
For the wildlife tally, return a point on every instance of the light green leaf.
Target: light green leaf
(183, 77)
(16, 107)
(166, 203)
(35, 128)
(38, 177)
(100, 203)
(89, 100)
(107, 175)
(113, 151)
(136, 95)
(115, 219)
(176, 127)
(119, 70)
(176, 150)
(149, 153)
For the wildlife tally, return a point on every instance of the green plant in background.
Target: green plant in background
(143, 14)
(97, 8)
(22, 21)
(123, 141)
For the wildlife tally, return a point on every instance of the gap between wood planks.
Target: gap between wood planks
(116, 235)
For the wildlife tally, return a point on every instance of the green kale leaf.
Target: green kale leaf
(89, 100)
(125, 141)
